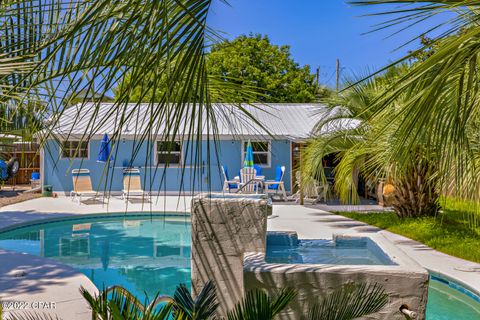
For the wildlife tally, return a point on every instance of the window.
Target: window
(261, 152)
(169, 152)
(75, 149)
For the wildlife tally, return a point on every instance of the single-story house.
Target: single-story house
(75, 137)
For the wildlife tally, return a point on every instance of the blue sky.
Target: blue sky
(318, 31)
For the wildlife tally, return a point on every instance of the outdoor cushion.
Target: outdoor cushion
(230, 185)
(278, 178)
(259, 169)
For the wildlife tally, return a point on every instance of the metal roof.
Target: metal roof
(291, 121)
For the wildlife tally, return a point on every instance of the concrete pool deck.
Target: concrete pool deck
(308, 222)
(35, 284)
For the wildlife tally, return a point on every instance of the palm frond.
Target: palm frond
(91, 45)
(118, 303)
(31, 316)
(351, 302)
(203, 307)
(257, 304)
(440, 96)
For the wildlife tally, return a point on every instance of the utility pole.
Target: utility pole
(337, 74)
(317, 77)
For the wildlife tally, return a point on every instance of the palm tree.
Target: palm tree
(443, 93)
(347, 303)
(362, 142)
(182, 306)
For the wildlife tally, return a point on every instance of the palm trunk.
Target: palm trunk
(415, 193)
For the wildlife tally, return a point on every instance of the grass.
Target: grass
(450, 232)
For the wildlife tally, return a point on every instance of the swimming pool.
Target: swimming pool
(142, 253)
(152, 254)
(447, 302)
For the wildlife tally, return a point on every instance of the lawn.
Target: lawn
(450, 232)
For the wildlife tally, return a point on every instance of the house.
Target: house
(193, 160)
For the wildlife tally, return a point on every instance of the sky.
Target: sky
(318, 31)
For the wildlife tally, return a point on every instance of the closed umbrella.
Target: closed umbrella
(105, 150)
(248, 161)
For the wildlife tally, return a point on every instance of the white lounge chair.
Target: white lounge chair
(82, 185)
(312, 191)
(277, 186)
(132, 185)
(248, 181)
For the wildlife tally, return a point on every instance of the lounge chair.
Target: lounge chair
(229, 185)
(277, 186)
(248, 181)
(132, 185)
(82, 185)
(312, 191)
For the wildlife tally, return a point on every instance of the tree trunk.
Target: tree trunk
(415, 193)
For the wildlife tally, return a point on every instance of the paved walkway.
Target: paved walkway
(47, 282)
(333, 205)
(43, 208)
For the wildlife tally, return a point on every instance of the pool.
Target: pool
(151, 253)
(286, 248)
(447, 300)
(142, 253)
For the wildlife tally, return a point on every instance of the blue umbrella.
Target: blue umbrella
(104, 152)
(105, 254)
(248, 161)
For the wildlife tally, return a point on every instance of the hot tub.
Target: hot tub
(318, 267)
(286, 248)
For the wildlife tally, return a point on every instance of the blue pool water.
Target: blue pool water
(448, 303)
(143, 254)
(286, 248)
(152, 254)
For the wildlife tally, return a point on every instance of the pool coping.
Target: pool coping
(442, 274)
(88, 216)
(459, 286)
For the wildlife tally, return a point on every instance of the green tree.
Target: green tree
(254, 61)
(267, 72)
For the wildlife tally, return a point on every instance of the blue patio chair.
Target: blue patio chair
(277, 185)
(229, 185)
(258, 169)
